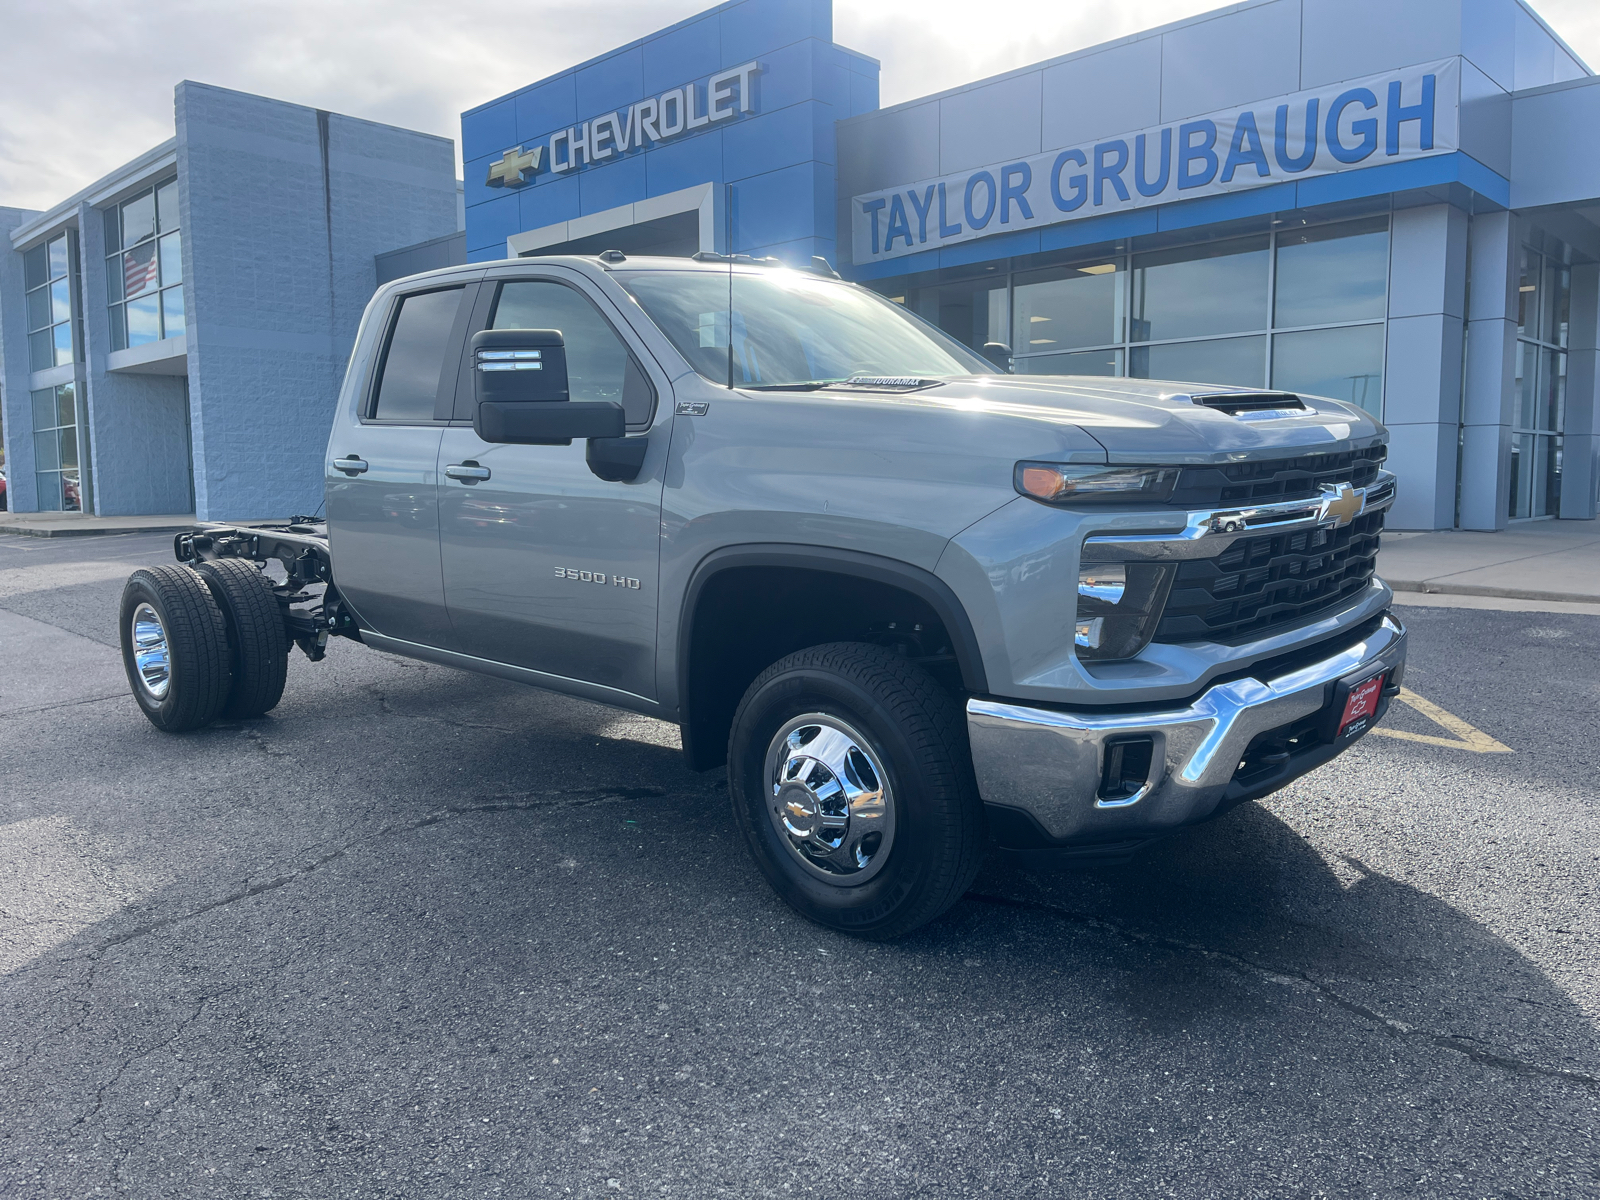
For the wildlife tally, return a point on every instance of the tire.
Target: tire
(873, 861)
(258, 647)
(175, 613)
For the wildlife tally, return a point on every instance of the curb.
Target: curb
(1467, 589)
(55, 532)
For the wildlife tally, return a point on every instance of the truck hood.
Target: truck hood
(1158, 421)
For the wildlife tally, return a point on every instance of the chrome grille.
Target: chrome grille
(1261, 584)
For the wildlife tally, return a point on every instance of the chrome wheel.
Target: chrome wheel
(150, 656)
(829, 799)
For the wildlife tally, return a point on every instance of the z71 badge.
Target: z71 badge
(600, 577)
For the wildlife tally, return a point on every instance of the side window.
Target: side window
(414, 362)
(599, 366)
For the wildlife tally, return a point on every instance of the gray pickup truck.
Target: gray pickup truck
(916, 604)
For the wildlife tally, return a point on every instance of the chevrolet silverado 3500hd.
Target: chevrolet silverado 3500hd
(916, 604)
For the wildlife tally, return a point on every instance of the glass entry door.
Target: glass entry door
(1543, 300)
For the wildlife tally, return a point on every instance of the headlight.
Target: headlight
(1119, 606)
(1060, 483)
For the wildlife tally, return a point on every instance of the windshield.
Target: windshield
(793, 329)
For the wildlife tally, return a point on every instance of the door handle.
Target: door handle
(467, 472)
(351, 465)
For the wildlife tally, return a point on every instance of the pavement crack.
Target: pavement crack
(1390, 1025)
(578, 798)
(22, 712)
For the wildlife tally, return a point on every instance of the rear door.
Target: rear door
(382, 470)
(546, 565)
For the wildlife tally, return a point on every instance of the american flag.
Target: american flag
(139, 269)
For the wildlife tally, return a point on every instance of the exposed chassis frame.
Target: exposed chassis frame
(308, 598)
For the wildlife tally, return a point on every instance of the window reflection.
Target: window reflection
(144, 275)
(1332, 273)
(1086, 362)
(1231, 362)
(1068, 307)
(1219, 287)
(1346, 364)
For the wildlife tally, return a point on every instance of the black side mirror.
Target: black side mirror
(520, 382)
(999, 354)
(520, 366)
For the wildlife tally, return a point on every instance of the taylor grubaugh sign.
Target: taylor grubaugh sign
(1392, 117)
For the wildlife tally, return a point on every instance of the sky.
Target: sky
(86, 85)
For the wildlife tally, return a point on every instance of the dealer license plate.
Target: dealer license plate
(1361, 706)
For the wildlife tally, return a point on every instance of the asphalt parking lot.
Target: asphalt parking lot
(424, 934)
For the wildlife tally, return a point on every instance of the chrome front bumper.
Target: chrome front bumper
(1048, 763)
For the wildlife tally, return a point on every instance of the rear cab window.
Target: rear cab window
(422, 336)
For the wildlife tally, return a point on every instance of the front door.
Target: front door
(546, 565)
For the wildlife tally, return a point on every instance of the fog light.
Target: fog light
(1119, 606)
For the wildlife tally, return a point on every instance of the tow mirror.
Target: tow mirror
(999, 354)
(520, 382)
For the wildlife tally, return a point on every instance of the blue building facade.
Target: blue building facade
(1393, 203)
(173, 337)
(1396, 203)
(721, 126)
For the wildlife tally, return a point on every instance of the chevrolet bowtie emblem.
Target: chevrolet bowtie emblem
(514, 167)
(1340, 505)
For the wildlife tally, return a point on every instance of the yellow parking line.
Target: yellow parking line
(1467, 737)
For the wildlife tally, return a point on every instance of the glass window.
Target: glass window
(1346, 364)
(172, 311)
(1064, 309)
(1544, 294)
(48, 271)
(1235, 362)
(1557, 289)
(144, 320)
(171, 260)
(792, 327)
(167, 205)
(57, 474)
(139, 219)
(1085, 362)
(1332, 273)
(414, 363)
(137, 266)
(36, 267)
(598, 364)
(1194, 291)
(972, 311)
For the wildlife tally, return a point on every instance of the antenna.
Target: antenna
(727, 213)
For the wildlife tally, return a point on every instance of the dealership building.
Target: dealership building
(1393, 203)
(173, 336)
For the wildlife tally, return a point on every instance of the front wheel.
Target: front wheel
(851, 780)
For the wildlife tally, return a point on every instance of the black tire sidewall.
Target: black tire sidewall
(258, 647)
(196, 648)
(881, 900)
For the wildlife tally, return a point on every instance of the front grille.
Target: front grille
(1249, 483)
(1260, 584)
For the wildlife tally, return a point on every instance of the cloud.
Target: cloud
(85, 85)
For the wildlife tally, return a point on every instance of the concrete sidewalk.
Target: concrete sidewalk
(71, 524)
(1536, 560)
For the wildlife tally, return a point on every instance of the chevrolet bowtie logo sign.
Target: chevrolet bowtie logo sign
(515, 167)
(1340, 505)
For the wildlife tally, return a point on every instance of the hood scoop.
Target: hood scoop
(1257, 406)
